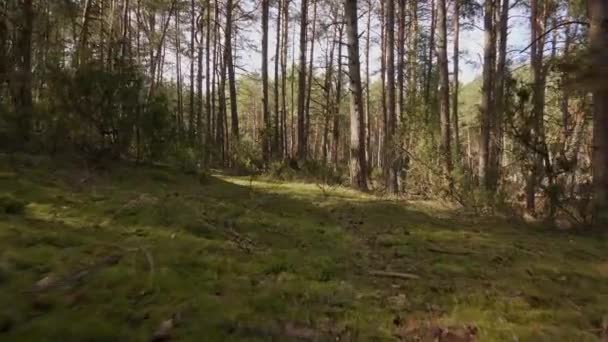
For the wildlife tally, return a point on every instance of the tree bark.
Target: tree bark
(192, 112)
(265, 110)
(499, 95)
(401, 62)
(487, 106)
(538, 11)
(208, 90)
(598, 40)
(276, 144)
(284, 75)
(429, 65)
(302, 133)
(328, 95)
(391, 164)
(358, 173)
(178, 71)
(444, 90)
(336, 115)
(310, 69)
(456, 60)
(229, 67)
(22, 96)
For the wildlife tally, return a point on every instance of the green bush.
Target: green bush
(246, 157)
(281, 170)
(187, 160)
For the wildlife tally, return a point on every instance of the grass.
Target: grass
(239, 259)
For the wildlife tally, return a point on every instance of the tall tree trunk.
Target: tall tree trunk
(487, 106)
(178, 66)
(310, 69)
(22, 93)
(499, 95)
(208, 91)
(83, 48)
(219, 68)
(382, 128)
(413, 57)
(156, 58)
(266, 111)
(302, 133)
(444, 89)
(284, 74)
(598, 40)
(200, 137)
(429, 65)
(126, 27)
(538, 101)
(401, 62)
(293, 141)
(358, 173)
(336, 115)
(328, 94)
(455, 60)
(191, 127)
(390, 145)
(368, 120)
(229, 67)
(276, 147)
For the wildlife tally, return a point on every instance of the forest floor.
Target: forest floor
(137, 253)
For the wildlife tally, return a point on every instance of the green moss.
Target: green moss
(238, 258)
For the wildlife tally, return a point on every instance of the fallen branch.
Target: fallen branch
(399, 275)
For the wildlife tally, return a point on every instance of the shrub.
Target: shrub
(187, 160)
(246, 157)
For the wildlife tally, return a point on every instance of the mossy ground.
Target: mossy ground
(244, 259)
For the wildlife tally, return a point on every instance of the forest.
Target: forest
(315, 170)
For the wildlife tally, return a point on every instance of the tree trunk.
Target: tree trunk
(368, 120)
(456, 58)
(358, 173)
(538, 102)
(598, 40)
(310, 69)
(328, 95)
(487, 106)
(302, 133)
(199, 85)
(413, 57)
(284, 74)
(229, 67)
(499, 95)
(191, 123)
(276, 145)
(208, 90)
(266, 111)
(178, 67)
(22, 96)
(336, 115)
(429, 65)
(401, 62)
(82, 49)
(444, 90)
(391, 163)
